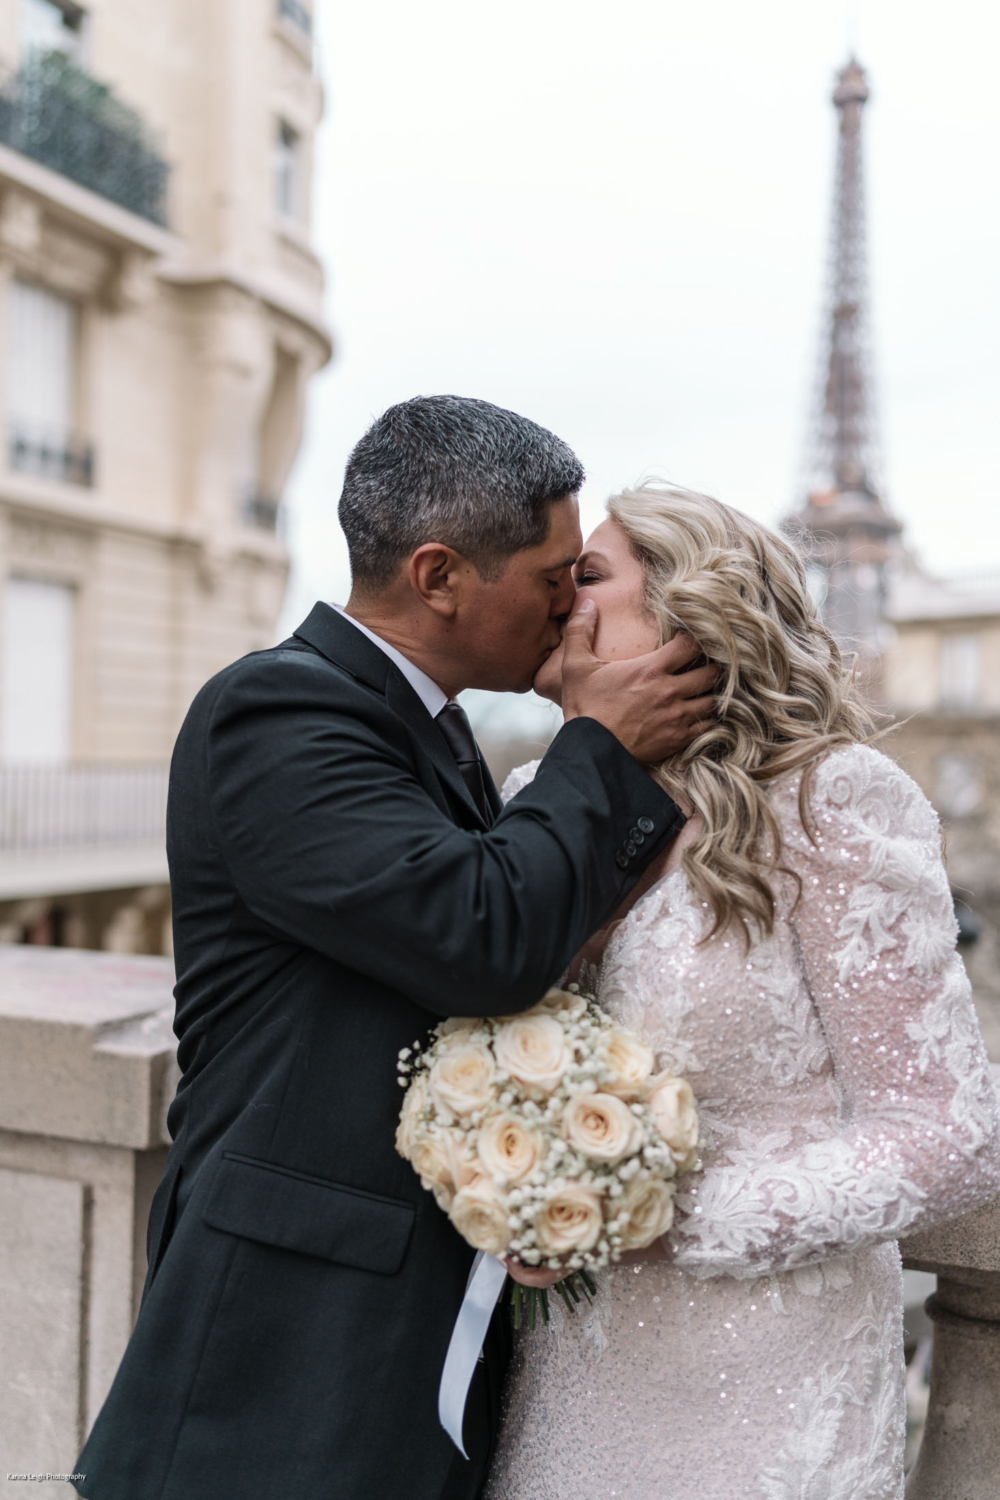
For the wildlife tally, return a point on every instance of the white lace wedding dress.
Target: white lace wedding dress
(845, 1100)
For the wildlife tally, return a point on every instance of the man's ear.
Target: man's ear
(436, 574)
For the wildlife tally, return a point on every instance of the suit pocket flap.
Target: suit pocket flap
(271, 1204)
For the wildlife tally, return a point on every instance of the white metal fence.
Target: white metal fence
(81, 806)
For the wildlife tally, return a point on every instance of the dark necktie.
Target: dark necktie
(457, 730)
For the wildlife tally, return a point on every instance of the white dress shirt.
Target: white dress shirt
(430, 695)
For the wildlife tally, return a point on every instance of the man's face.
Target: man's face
(508, 628)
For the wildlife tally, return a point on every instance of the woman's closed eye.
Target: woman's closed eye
(583, 579)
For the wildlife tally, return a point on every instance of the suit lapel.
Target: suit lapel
(492, 795)
(341, 643)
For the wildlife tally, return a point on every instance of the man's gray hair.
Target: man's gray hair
(453, 470)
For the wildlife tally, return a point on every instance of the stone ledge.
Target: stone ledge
(86, 1047)
(70, 872)
(969, 1243)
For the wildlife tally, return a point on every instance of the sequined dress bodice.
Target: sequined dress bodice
(845, 1100)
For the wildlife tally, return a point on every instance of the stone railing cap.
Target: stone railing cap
(87, 1052)
(969, 1243)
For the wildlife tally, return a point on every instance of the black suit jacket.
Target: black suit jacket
(335, 893)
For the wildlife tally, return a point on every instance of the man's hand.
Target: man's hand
(647, 702)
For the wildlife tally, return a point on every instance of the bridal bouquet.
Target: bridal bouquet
(545, 1135)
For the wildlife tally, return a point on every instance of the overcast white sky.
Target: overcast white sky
(614, 219)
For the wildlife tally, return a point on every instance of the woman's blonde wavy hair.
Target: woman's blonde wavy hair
(786, 696)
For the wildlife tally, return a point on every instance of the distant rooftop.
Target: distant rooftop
(914, 595)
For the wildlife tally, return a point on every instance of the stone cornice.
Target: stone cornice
(275, 291)
(62, 503)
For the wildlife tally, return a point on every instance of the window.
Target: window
(298, 13)
(37, 696)
(43, 337)
(54, 26)
(286, 170)
(959, 671)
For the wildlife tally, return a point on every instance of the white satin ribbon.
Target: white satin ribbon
(484, 1286)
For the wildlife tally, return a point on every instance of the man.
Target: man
(342, 878)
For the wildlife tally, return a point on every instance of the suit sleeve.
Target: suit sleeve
(331, 840)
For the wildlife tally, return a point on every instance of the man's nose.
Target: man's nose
(562, 601)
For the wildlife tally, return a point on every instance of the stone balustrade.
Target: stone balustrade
(959, 1456)
(87, 1070)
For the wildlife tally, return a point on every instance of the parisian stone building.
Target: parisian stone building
(941, 673)
(160, 317)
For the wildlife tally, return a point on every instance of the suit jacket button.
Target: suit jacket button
(629, 848)
(645, 825)
(621, 860)
(637, 837)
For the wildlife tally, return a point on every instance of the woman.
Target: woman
(793, 955)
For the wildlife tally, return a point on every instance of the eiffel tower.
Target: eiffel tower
(842, 524)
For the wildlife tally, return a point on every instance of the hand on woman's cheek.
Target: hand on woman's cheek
(624, 629)
(608, 573)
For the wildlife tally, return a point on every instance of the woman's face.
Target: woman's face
(608, 572)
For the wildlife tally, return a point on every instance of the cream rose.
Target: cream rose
(631, 1062)
(533, 1049)
(443, 1196)
(649, 1204)
(415, 1102)
(569, 1220)
(431, 1158)
(462, 1026)
(507, 1148)
(462, 1160)
(445, 1154)
(480, 1217)
(461, 1078)
(601, 1126)
(672, 1103)
(554, 1001)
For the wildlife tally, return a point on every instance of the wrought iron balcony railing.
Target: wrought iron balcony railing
(299, 14)
(81, 806)
(56, 113)
(50, 455)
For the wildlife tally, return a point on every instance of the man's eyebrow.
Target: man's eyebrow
(558, 566)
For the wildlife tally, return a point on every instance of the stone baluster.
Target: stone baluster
(959, 1456)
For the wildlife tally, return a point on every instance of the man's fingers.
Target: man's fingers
(697, 683)
(697, 709)
(677, 652)
(703, 726)
(578, 634)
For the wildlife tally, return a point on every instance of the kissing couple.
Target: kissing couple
(710, 844)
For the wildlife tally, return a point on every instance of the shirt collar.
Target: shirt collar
(430, 695)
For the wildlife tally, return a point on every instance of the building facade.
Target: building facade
(941, 674)
(160, 316)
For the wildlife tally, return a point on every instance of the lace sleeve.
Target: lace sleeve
(519, 778)
(875, 929)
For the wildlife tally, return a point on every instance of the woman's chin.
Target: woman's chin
(548, 679)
